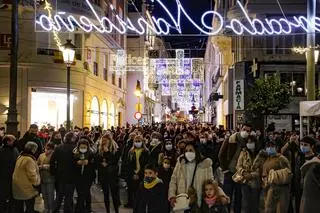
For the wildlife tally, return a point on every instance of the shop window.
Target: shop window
(95, 68)
(296, 82)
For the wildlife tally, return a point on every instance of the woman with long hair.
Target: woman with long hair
(107, 162)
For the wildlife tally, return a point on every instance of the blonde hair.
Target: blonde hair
(112, 145)
(214, 184)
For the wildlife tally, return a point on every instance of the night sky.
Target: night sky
(195, 9)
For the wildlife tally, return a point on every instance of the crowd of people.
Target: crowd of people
(180, 167)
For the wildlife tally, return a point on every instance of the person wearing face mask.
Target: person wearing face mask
(189, 175)
(84, 162)
(151, 193)
(8, 156)
(228, 157)
(56, 138)
(25, 179)
(248, 177)
(63, 168)
(138, 157)
(107, 163)
(168, 151)
(31, 135)
(47, 180)
(276, 179)
(155, 147)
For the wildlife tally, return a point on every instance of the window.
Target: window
(95, 68)
(78, 44)
(296, 82)
(105, 67)
(113, 78)
(120, 82)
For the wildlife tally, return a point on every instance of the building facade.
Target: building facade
(98, 88)
(247, 58)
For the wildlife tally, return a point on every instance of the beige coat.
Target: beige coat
(25, 176)
(178, 183)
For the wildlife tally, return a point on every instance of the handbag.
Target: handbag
(182, 203)
(39, 203)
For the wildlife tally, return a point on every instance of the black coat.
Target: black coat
(62, 164)
(214, 209)
(165, 176)
(87, 175)
(154, 154)
(30, 137)
(131, 162)
(110, 172)
(125, 158)
(154, 200)
(8, 157)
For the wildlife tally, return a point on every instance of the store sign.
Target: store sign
(62, 21)
(238, 95)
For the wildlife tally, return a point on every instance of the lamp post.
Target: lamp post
(68, 51)
(12, 122)
(311, 14)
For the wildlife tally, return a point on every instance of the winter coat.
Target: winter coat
(131, 162)
(8, 157)
(213, 209)
(31, 137)
(310, 172)
(165, 176)
(229, 152)
(125, 159)
(112, 168)
(154, 153)
(25, 177)
(62, 164)
(85, 174)
(276, 181)
(244, 165)
(178, 183)
(152, 200)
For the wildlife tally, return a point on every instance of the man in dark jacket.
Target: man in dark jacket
(8, 157)
(31, 135)
(228, 157)
(63, 168)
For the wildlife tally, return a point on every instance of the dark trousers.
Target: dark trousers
(133, 186)
(84, 197)
(251, 199)
(112, 186)
(6, 206)
(65, 192)
(18, 206)
(233, 190)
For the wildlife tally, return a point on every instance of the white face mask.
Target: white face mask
(244, 134)
(251, 146)
(138, 144)
(190, 156)
(203, 140)
(83, 150)
(253, 133)
(169, 147)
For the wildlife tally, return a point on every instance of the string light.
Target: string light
(56, 38)
(160, 26)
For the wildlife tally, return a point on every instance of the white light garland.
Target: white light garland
(160, 26)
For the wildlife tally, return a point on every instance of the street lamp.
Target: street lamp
(68, 52)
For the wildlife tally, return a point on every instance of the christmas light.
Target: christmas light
(160, 26)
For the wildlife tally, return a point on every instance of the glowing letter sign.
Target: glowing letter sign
(62, 21)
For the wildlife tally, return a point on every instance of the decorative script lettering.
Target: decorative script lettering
(62, 21)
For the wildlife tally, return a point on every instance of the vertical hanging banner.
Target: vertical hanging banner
(238, 95)
(165, 87)
(179, 61)
(121, 62)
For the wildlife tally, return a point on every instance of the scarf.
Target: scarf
(210, 201)
(152, 184)
(138, 155)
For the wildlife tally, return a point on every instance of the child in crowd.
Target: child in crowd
(213, 201)
(47, 180)
(152, 194)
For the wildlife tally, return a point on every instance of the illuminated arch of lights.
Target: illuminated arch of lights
(62, 21)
